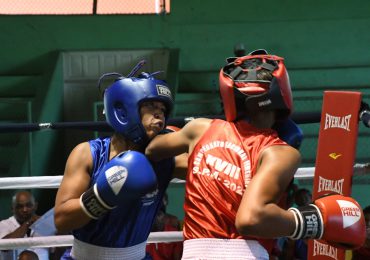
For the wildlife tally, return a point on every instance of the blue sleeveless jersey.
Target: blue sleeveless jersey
(126, 225)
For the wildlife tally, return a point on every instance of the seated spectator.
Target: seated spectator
(28, 255)
(302, 197)
(165, 222)
(19, 224)
(170, 219)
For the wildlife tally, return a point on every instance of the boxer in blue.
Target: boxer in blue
(110, 192)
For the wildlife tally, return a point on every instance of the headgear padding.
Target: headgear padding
(242, 88)
(122, 102)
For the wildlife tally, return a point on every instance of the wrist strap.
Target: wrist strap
(297, 234)
(309, 223)
(92, 204)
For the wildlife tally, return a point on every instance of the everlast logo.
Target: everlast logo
(164, 91)
(337, 122)
(330, 185)
(335, 155)
(324, 249)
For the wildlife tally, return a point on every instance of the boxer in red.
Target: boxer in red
(239, 168)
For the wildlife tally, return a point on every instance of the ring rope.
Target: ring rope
(67, 240)
(299, 118)
(53, 182)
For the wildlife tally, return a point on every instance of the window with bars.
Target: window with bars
(83, 7)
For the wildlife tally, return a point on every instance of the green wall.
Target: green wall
(310, 34)
(325, 43)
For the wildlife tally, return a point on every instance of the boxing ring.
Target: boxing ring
(53, 182)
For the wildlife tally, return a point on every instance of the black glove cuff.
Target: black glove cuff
(92, 205)
(309, 223)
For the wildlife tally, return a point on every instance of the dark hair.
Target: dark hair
(302, 197)
(366, 210)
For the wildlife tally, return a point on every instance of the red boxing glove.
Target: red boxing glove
(337, 219)
(172, 128)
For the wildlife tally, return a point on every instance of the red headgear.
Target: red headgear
(241, 87)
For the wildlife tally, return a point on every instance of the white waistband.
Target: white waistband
(85, 251)
(214, 248)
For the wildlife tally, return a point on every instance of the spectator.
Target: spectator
(28, 255)
(24, 209)
(169, 218)
(302, 197)
(165, 222)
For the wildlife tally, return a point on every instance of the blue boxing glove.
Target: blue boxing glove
(289, 132)
(126, 177)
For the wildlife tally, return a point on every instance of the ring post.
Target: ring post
(335, 157)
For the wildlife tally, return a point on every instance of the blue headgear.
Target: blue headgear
(289, 132)
(123, 98)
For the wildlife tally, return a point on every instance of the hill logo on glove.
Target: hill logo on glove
(116, 177)
(351, 213)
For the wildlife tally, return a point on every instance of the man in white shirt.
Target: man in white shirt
(24, 209)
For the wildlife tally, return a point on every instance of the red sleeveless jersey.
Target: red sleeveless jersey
(220, 167)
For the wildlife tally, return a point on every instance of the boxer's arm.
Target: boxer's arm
(175, 143)
(277, 165)
(167, 145)
(68, 212)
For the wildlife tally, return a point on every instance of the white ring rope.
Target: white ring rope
(38, 182)
(52, 182)
(67, 240)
